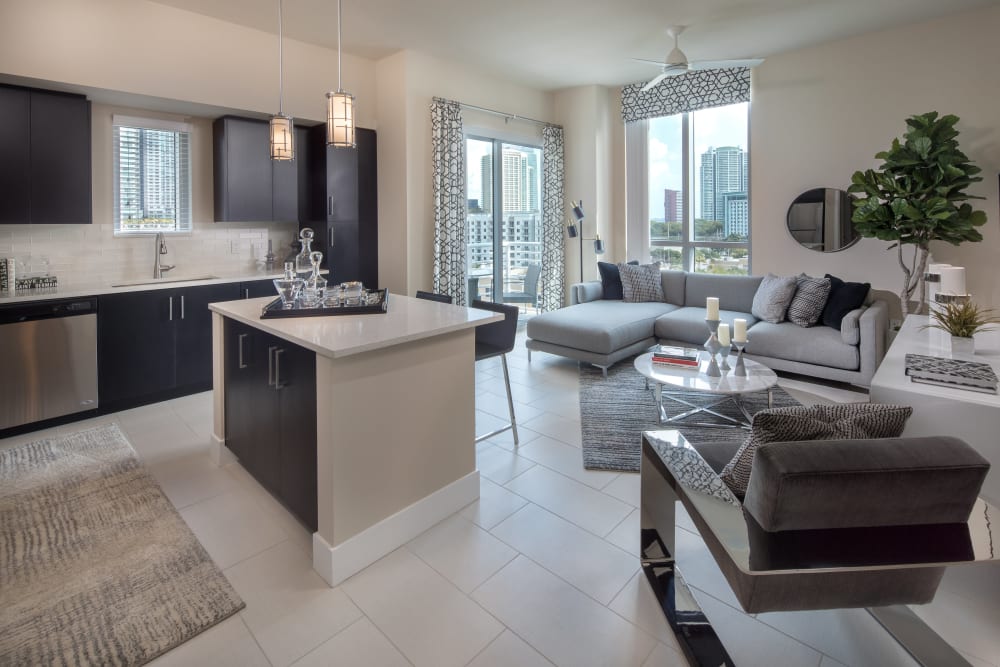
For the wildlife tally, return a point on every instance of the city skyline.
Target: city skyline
(149, 181)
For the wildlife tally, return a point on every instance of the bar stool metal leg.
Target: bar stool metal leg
(510, 399)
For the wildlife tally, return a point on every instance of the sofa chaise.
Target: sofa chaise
(601, 332)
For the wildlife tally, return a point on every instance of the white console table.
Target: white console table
(969, 415)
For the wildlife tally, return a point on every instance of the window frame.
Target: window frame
(638, 218)
(184, 224)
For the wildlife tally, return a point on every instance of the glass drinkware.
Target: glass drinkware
(352, 292)
(303, 261)
(315, 284)
(288, 286)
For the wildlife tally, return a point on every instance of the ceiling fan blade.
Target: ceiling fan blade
(725, 64)
(658, 63)
(652, 84)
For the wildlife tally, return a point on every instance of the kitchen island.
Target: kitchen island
(363, 425)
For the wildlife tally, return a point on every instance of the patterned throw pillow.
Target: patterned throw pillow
(809, 300)
(841, 421)
(772, 298)
(641, 283)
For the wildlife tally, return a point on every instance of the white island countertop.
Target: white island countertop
(336, 336)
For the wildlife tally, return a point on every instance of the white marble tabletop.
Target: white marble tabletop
(758, 378)
(407, 319)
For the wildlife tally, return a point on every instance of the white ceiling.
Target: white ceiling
(551, 44)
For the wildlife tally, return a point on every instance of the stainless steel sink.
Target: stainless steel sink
(164, 281)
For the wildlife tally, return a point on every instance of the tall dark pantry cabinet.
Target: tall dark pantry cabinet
(343, 206)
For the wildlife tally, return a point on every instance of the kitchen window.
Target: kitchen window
(152, 176)
(690, 177)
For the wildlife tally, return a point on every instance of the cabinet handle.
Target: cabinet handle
(246, 293)
(171, 317)
(270, 365)
(277, 369)
(329, 205)
(239, 345)
(182, 306)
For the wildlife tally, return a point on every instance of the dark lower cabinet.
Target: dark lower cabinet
(155, 345)
(270, 404)
(255, 289)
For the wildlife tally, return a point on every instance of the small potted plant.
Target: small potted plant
(962, 319)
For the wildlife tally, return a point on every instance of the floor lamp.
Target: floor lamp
(574, 233)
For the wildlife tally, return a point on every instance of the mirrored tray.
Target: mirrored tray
(377, 303)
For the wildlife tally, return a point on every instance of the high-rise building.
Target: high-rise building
(673, 205)
(486, 174)
(148, 173)
(723, 174)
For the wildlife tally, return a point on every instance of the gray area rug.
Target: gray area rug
(96, 565)
(614, 411)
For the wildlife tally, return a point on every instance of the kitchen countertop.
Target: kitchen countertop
(78, 290)
(406, 320)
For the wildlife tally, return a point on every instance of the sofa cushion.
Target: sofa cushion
(844, 297)
(687, 325)
(809, 300)
(815, 422)
(597, 326)
(816, 345)
(641, 283)
(673, 283)
(734, 292)
(611, 279)
(773, 296)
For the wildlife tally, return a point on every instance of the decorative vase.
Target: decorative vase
(964, 346)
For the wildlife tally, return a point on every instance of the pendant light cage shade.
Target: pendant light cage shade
(282, 137)
(340, 131)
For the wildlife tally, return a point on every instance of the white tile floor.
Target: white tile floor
(540, 571)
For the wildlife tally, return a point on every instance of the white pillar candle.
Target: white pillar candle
(712, 308)
(724, 335)
(952, 280)
(740, 330)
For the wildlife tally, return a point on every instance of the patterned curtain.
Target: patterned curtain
(553, 244)
(450, 229)
(701, 89)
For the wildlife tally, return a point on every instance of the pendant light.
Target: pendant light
(282, 127)
(340, 105)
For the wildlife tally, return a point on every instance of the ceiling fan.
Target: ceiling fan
(677, 63)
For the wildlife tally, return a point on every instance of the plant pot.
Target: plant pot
(963, 346)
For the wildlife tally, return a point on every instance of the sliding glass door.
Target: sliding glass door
(504, 187)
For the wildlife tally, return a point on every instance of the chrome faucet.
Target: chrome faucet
(160, 249)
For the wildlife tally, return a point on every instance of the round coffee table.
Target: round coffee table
(728, 387)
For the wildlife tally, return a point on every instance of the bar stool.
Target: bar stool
(496, 340)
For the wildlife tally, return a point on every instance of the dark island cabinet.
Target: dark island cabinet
(255, 289)
(249, 185)
(270, 407)
(45, 157)
(156, 344)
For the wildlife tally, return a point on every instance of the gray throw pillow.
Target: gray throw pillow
(641, 283)
(842, 421)
(773, 297)
(810, 298)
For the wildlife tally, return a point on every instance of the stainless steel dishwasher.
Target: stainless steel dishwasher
(48, 360)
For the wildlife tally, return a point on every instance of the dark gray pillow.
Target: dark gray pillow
(809, 300)
(773, 297)
(641, 283)
(841, 421)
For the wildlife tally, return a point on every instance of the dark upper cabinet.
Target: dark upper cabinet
(45, 163)
(60, 159)
(249, 185)
(156, 344)
(15, 155)
(343, 208)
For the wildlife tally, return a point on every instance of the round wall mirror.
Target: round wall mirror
(820, 219)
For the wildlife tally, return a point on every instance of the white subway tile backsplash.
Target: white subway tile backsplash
(91, 254)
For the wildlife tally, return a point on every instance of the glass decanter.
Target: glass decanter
(288, 286)
(303, 262)
(315, 285)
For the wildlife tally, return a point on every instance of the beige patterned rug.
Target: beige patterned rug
(96, 565)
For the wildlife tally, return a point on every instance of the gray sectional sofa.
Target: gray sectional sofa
(601, 332)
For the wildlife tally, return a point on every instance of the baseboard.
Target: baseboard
(337, 563)
(219, 453)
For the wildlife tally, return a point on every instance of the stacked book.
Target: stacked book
(955, 373)
(668, 355)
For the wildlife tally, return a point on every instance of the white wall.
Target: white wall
(819, 114)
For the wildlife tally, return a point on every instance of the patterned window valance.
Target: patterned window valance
(687, 92)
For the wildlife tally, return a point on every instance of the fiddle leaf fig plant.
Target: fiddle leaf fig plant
(918, 195)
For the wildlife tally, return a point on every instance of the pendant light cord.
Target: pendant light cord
(281, 67)
(340, 56)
